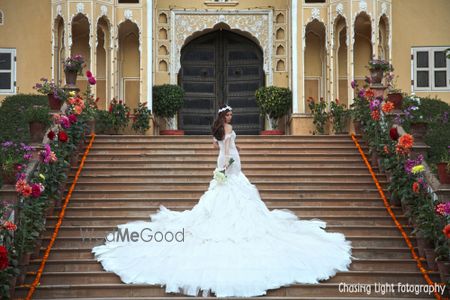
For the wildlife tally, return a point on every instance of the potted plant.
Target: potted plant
(377, 68)
(56, 95)
(72, 67)
(443, 168)
(395, 94)
(339, 116)
(414, 114)
(38, 118)
(141, 118)
(118, 116)
(13, 157)
(167, 100)
(319, 113)
(274, 102)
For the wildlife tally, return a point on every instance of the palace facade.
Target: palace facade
(221, 51)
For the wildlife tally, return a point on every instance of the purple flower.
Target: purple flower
(410, 163)
(445, 117)
(353, 84)
(361, 93)
(27, 156)
(374, 104)
(65, 122)
(447, 208)
(7, 144)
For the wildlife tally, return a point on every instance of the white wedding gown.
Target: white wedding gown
(233, 244)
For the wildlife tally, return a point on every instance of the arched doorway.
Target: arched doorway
(221, 67)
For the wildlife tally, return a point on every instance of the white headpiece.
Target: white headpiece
(225, 108)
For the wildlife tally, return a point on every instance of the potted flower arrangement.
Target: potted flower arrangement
(274, 102)
(141, 118)
(13, 157)
(72, 67)
(395, 94)
(319, 113)
(377, 68)
(118, 116)
(339, 116)
(167, 100)
(39, 119)
(413, 114)
(56, 95)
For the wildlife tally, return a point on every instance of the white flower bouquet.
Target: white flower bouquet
(219, 174)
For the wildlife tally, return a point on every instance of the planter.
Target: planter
(396, 99)
(431, 258)
(74, 159)
(272, 132)
(37, 248)
(418, 130)
(376, 76)
(8, 177)
(443, 173)
(374, 159)
(12, 286)
(171, 132)
(395, 200)
(50, 208)
(55, 104)
(422, 244)
(71, 79)
(444, 270)
(37, 132)
(24, 259)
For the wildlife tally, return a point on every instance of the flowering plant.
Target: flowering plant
(379, 64)
(319, 113)
(74, 63)
(339, 115)
(391, 82)
(50, 87)
(119, 114)
(141, 118)
(14, 156)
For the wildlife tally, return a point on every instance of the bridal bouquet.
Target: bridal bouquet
(219, 174)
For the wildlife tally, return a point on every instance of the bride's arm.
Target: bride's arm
(227, 141)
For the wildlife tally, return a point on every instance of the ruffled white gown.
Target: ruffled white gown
(229, 243)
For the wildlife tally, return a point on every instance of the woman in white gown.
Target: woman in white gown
(229, 243)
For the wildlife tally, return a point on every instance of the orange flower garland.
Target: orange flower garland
(58, 224)
(394, 218)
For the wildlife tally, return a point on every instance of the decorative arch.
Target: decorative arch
(383, 37)
(58, 47)
(256, 25)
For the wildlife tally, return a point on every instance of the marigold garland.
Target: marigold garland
(58, 224)
(394, 218)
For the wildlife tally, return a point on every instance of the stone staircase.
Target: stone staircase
(126, 178)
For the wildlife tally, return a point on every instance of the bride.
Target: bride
(229, 243)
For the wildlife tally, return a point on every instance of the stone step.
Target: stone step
(244, 152)
(412, 277)
(184, 201)
(301, 211)
(284, 180)
(357, 241)
(320, 291)
(330, 220)
(359, 252)
(92, 265)
(102, 230)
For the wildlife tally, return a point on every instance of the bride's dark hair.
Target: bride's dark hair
(218, 129)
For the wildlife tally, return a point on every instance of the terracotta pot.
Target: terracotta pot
(71, 79)
(90, 127)
(12, 286)
(443, 173)
(55, 104)
(431, 258)
(9, 177)
(444, 270)
(376, 76)
(396, 99)
(74, 159)
(37, 132)
(37, 249)
(171, 132)
(24, 260)
(422, 244)
(418, 130)
(272, 132)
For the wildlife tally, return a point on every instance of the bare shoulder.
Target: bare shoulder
(228, 128)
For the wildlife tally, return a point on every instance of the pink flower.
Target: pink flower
(88, 74)
(65, 122)
(37, 189)
(73, 119)
(92, 80)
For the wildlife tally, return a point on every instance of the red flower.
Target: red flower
(110, 108)
(120, 101)
(73, 119)
(416, 187)
(63, 136)
(369, 94)
(51, 135)
(388, 107)
(406, 141)
(92, 80)
(10, 226)
(35, 191)
(375, 115)
(446, 230)
(88, 74)
(3, 258)
(393, 133)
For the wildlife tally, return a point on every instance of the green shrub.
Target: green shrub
(141, 118)
(274, 101)
(13, 125)
(167, 100)
(37, 113)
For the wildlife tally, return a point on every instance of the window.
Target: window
(315, 1)
(7, 71)
(128, 1)
(431, 69)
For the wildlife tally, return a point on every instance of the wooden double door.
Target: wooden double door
(218, 68)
